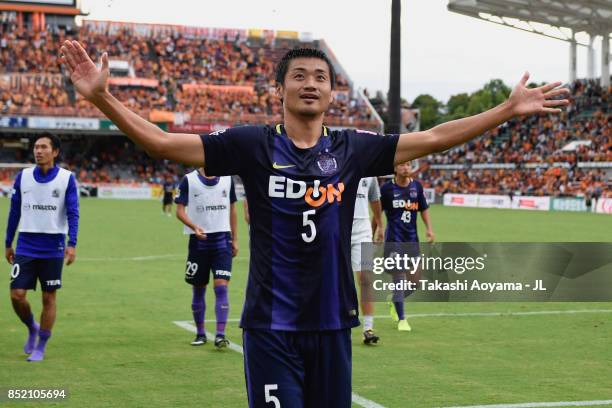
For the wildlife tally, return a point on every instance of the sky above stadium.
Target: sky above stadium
(443, 53)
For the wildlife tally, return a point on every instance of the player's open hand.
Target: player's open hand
(543, 99)
(10, 255)
(89, 80)
(70, 255)
(199, 233)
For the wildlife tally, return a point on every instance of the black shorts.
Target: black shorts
(26, 270)
(167, 199)
(201, 262)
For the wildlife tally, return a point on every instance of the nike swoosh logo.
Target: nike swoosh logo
(26, 192)
(282, 166)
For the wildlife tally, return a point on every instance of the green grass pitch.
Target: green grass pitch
(114, 343)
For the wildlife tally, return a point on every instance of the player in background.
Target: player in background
(301, 181)
(362, 231)
(168, 195)
(402, 199)
(206, 205)
(45, 206)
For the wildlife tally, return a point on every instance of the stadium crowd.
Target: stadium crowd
(554, 181)
(542, 138)
(104, 160)
(172, 61)
(119, 162)
(536, 139)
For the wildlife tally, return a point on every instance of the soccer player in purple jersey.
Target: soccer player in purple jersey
(301, 181)
(402, 199)
(44, 208)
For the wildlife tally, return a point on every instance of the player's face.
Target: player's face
(403, 169)
(44, 154)
(307, 88)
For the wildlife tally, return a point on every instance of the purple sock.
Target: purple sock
(33, 328)
(398, 302)
(399, 308)
(198, 307)
(398, 299)
(221, 308)
(43, 337)
(29, 321)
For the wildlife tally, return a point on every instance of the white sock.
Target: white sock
(368, 323)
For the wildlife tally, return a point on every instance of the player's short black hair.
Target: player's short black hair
(55, 141)
(283, 64)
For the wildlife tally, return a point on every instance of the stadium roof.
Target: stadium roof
(551, 18)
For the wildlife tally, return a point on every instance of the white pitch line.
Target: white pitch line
(478, 314)
(543, 404)
(363, 402)
(357, 399)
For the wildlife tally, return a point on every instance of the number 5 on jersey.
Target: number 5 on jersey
(309, 224)
(272, 387)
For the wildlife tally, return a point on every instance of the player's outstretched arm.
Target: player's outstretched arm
(92, 82)
(522, 101)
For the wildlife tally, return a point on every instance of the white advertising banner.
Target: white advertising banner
(604, 206)
(461, 200)
(494, 201)
(447, 166)
(53, 122)
(47, 2)
(531, 203)
(591, 165)
(125, 193)
(494, 166)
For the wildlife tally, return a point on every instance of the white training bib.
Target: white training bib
(362, 201)
(208, 206)
(43, 205)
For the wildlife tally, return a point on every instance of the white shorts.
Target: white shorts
(362, 232)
